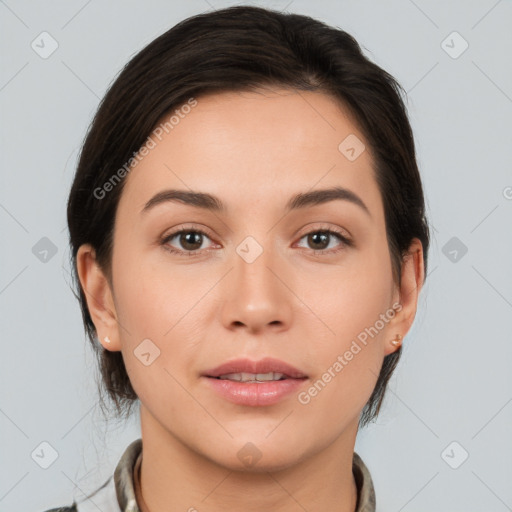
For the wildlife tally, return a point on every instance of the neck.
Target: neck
(174, 477)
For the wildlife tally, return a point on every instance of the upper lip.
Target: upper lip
(266, 365)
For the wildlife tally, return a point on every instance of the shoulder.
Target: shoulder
(68, 508)
(366, 501)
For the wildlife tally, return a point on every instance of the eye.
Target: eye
(319, 240)
(190, 239)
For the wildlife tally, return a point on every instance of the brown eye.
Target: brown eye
(319, 240)
(189, 241)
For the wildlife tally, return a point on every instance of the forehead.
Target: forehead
(255, 147)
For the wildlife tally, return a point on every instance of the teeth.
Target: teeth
(252, 377)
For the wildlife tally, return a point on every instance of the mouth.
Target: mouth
(255, 383)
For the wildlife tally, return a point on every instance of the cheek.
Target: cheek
(348, 352)
(160, 317)
(164, 303)
(349, 297)
(153, 293)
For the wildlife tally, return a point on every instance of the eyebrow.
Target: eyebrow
(210, 202)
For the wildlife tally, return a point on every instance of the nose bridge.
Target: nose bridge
(253, 262)
(257, 297)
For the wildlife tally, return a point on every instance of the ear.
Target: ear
(99, 298)
(413, 276)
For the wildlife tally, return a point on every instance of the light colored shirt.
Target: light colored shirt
(118, 493)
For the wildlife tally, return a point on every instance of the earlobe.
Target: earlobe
(98, 295)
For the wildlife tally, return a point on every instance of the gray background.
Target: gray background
(454, 381)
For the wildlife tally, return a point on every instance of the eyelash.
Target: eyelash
(321, 252)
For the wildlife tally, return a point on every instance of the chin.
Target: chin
(263, 457)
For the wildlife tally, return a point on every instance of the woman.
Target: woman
(249, 242)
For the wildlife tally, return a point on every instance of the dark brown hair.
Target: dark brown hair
(235, 49)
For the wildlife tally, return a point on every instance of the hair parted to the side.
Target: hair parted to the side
(236, 49)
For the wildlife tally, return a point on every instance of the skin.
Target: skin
(253, 150)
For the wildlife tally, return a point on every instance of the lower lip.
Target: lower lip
(255, 393)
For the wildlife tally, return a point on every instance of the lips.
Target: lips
(265, 365)
(254, 392)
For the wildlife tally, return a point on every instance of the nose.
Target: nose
(256, 291)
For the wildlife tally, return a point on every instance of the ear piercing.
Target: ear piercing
(398, 341)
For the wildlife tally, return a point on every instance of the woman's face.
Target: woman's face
(257, 286)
